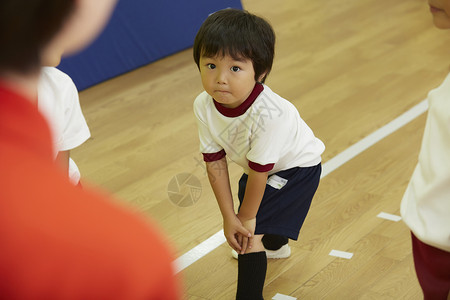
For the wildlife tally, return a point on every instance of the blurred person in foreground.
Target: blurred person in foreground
(59, 241)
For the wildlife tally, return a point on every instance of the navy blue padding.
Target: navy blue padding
(140, 32)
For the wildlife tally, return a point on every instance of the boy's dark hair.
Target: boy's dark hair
(239, 34)
(26, 27)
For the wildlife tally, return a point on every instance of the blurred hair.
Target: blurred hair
(26, 27)
(239, 34)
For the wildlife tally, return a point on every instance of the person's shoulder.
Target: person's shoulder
(116, 215)
(55, 73)
(56, 80)
(202, 101)
(202, 97)
(443, 88)
(271, 104)
(268, 93)
(136, 244)
(96, 239)
(129, 241)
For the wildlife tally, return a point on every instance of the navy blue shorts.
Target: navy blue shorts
(283, 211)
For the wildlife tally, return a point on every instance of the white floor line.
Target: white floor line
(218, 238)
(279, 296)
(199, 251)
(374, 138)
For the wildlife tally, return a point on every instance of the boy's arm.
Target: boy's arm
(254, 192)
(220, 183)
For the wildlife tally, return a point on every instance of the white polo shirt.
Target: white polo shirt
(265, 133)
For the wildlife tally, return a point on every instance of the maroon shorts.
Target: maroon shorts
(432, 268)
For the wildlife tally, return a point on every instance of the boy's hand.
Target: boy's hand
(235, 233)
(247, 241)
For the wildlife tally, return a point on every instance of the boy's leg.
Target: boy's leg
(252, 267)
(274, 242)
(276, 247)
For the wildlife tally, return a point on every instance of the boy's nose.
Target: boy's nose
(221, 78)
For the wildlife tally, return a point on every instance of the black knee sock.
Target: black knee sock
(273, 241)
(252, 269)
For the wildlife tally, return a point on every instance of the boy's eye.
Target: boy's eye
(211, 66)
(235, 69)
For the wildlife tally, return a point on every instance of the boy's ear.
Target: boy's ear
(261, 77)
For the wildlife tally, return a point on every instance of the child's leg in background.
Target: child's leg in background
(252, 267)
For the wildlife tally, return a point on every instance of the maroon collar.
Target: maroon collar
(241, 109)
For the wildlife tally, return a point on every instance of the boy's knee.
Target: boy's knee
(273, 241)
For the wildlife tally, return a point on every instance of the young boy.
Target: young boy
(241, 118)
(425, 206)
(58, 241)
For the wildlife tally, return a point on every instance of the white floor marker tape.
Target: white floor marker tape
(389, 217)
(279, 296)
(374, 138)
(341, 254)
(217, 239)
(199, 251)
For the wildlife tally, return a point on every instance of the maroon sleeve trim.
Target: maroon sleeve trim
(260, 168)
(209, 157)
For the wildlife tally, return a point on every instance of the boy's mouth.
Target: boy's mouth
(434, 9)
(222, 92)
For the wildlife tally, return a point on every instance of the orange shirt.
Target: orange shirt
(61, 242)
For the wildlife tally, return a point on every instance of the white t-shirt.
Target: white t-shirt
(265, 133)
(58, 102)
(425, 207)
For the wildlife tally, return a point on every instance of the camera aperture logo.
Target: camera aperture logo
(184, 190)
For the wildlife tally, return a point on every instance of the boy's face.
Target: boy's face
(227, 80)
(440, 9)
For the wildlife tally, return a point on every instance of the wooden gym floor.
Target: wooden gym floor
(350, 67)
